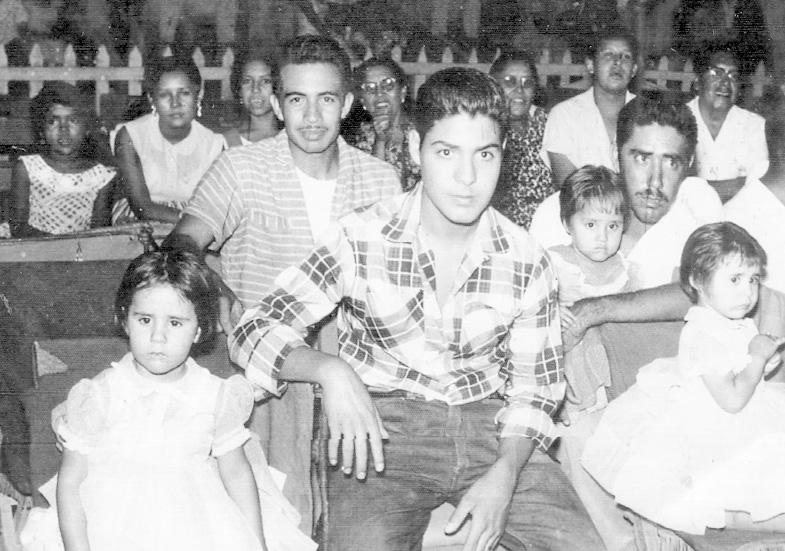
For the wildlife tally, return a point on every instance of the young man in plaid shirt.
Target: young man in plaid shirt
(449, 364)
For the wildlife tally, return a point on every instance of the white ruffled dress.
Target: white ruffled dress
(152, 479)
(666, 449)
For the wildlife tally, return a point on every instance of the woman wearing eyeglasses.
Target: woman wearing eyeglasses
(731, 140)
(525, 179)
(389, 135)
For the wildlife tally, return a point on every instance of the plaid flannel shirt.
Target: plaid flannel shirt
(498, 331)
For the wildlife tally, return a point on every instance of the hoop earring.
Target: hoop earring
(154, 110)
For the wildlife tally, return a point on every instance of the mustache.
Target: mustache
(653, 194)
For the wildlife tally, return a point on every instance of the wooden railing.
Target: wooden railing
(554, 71)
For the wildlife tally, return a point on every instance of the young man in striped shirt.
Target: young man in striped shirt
(449, 364)
(265, 204)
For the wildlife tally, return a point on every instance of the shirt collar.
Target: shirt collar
(402, 227)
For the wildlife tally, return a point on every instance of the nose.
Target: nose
(159, 333)
(312, 111)
(465, 170)
(655, 175)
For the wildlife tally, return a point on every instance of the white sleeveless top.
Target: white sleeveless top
(171, 171)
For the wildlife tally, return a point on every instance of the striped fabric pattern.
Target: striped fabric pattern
(253, 203)
(498, 331)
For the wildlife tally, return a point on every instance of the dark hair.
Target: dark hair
(702, 60)
(156, 68)
(514, 56)
(643, 111)
(708, 246)
(593, 184)
(245, 57)
(59, 93)
(313, 49)
(458, 90)
(613, 32)
(186, 273)
(361, 70)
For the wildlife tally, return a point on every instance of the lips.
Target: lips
(313, 133)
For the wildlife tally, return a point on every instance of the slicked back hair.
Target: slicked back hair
(643, 111)
(313, 49)
(458, 90)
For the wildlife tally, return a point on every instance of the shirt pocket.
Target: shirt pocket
(392, 314)
(272, 223)
(485, 322)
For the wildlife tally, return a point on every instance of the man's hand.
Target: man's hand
(352, 419)
(488, 502)
(230, 309)
(574, 324)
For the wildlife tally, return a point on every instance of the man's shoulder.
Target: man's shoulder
(577, 102)
(375, 215)
(699, 197)
(748, 117)
(546, 227)
(363, 162)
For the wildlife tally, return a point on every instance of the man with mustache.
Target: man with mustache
(656, 145)
(264, 205)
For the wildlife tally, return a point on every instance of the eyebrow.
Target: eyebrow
(320, 94)
(494, 145)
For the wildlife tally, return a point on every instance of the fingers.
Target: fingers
(457, 518)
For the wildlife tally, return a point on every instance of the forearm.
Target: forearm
(240, 484)
(149, 210)
(70, 511)
(664, 303)
(513, 454)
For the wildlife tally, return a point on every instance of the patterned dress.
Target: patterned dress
(63, 202)
(525, 179)
(398, 155)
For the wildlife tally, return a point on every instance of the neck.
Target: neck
(63, 163)
(443, 232)
(174, 135)
(263, 125)
(322, 166)
(605, 98)
(711, 115)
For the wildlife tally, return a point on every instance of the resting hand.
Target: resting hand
(488, 502)
(352, 419)
(230, 310)
(381, 126)
(765, 346)
(579, 323)
(567, 318)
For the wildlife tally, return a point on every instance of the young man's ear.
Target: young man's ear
(276, 105)
(198, 335)
(348, 100)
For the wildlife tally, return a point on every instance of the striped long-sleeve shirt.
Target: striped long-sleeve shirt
(498, 331)
(252, 200)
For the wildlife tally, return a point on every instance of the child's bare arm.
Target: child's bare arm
(102, 206)
(731, 390)
(71, 515)
(20, 204)
(240, 484)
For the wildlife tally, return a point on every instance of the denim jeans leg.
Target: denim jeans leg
(546, 512)
(390, 511)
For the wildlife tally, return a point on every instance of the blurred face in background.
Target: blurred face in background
(720, 83)
(381, 94)
(613, 66)
(519, 86)
(256, 87)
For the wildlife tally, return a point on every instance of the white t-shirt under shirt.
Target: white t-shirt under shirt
(318, 196)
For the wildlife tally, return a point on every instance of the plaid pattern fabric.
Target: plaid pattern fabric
(252, 201)
(497, 331)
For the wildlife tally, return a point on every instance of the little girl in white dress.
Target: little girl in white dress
(153, 446)
(703, 434)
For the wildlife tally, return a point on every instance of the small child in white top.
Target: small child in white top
(702, 435)
(594, 210)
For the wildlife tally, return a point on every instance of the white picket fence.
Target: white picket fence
(563, 72)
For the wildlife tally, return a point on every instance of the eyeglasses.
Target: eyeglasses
(511, 82)
(385, 85)
(613, 57)
(718, 73)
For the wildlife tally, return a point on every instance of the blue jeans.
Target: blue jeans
(434, 454)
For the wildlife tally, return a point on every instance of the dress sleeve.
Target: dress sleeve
(702, 353)
(80, 421)
(232, 410)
